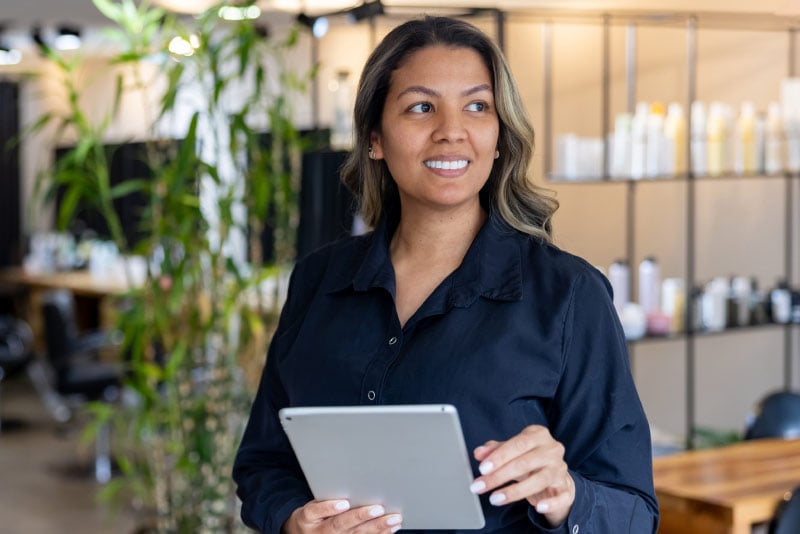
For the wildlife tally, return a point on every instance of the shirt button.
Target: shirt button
(371, 395)
(392, 341)
(575, 529)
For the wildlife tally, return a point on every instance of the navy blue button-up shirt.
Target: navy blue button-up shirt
(521, 333)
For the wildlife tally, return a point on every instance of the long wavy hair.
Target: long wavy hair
(509, 190)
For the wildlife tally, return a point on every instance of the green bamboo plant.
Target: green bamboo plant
(201, 317)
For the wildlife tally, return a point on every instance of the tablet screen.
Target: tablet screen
(410, 458)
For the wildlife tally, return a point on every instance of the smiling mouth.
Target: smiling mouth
(447, 165)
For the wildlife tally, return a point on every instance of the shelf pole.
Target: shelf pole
(606, 91)
(788, 331)
(630, 197)
(500, 29)
(691, 415)
(547, 60)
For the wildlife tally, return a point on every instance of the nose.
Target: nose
(450, 126)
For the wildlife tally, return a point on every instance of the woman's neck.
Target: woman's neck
(436, 237)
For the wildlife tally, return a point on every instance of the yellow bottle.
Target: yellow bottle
(675, 134)
(716, 136)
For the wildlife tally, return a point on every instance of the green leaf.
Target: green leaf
(109, 9)
(127, 187)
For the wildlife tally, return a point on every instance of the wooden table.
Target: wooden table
(79, 282)
(727, 489)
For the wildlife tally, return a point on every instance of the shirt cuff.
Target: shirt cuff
(579, 515)
(274, 522)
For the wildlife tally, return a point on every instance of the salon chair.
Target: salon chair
(78, 373)
(787, 516)
(776, 416)
(16, 342)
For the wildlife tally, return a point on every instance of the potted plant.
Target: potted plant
(202, 314)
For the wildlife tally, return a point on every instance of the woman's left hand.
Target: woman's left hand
(528, 466)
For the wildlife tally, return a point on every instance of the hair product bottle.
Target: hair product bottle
(342, 127)
(619, 275)
(773, 144)
(655, 141)
(649, 285)
(639, 141)
(675, 141)
(716, 137)
(745, 155)
(698, 139)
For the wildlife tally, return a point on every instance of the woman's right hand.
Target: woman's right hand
(333, 517)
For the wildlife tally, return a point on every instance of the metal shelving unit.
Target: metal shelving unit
(691, 23)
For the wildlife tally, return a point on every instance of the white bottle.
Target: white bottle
(745, 155)
(773, 144)
(655, 141)
(790, 104)
(698, 139)
(619, 276)
(675, 141)
(716, 138)
(342, 127)
(621, 147)
(639, 141)
(649, 286)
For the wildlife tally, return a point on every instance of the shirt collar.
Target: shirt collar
(492, 267)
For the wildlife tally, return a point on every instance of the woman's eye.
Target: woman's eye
(422, 107)
(477, 106)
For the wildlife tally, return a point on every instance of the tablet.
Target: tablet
(410, 458)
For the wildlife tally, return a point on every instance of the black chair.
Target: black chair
(78, 373)
(776, 416)
(16, 342)
(787, 516)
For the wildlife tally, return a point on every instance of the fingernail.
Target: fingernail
(342, 506)
(394, 520)
(497, 498)
(479, 449)
(477, 486)
(395, 529)
(542, 507)
(375, 511)
(486, 467)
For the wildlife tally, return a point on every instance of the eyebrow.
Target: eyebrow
(430, 92)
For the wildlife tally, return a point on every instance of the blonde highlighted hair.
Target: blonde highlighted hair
(509, 190)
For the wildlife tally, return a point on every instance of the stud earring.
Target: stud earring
(370, 153)
(496, 154)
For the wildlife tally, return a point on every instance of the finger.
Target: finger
(528, 439)
(481, 452)
(532, 451)
(385, 524)
(355, 517)
(537, 486)
(316, 511)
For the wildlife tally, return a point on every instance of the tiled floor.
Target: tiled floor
(41, 488)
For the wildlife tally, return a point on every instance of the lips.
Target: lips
(447, 165)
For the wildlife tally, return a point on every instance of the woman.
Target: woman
(456, 297)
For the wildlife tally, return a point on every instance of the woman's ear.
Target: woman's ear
(375, 148)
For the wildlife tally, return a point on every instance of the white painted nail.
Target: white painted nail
(497, 498)
(394, 520)
(375, 511)
(342, 506)
(395, 529)
(477, 486)
(542, 507)
(486, 467)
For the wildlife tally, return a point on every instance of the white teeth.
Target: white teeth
(446, 165)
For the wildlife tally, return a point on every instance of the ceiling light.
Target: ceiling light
(239, 13)
(317, 25)
(67, 38)
(10, 56)
(366, 10)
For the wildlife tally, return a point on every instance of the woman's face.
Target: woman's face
(439, 128)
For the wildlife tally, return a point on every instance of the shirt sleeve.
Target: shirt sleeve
(269, 480)
(598, 417)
